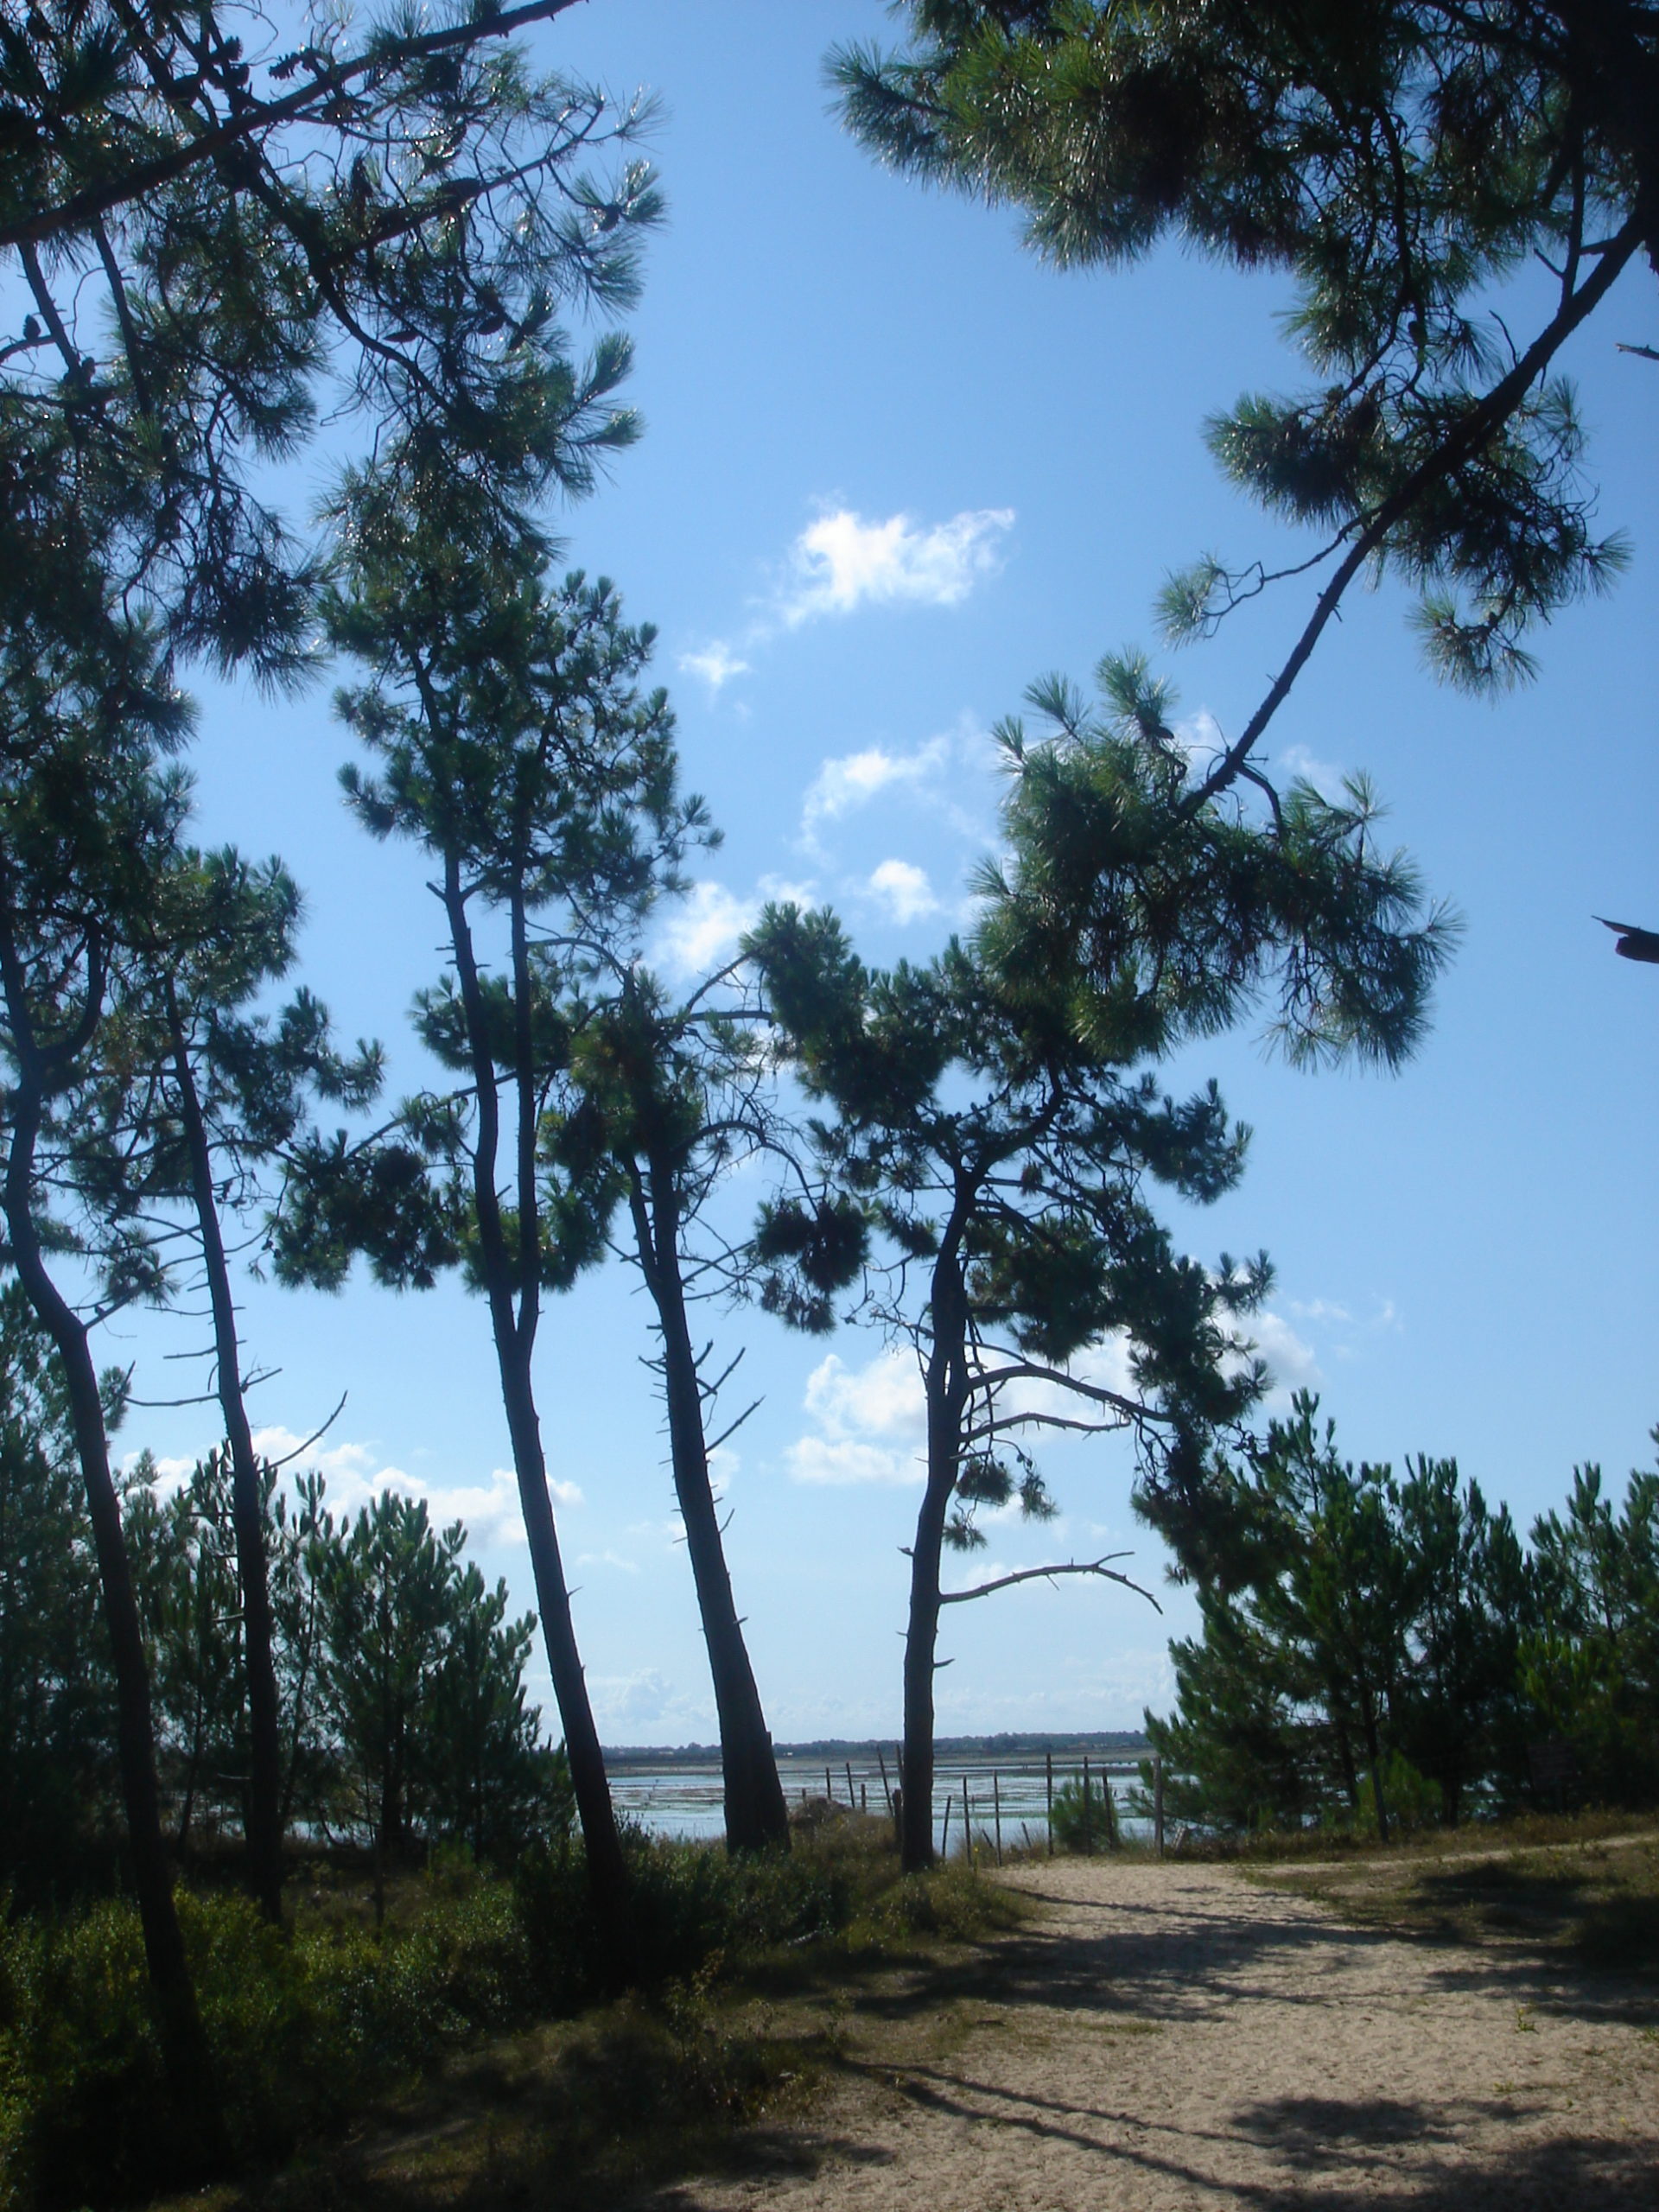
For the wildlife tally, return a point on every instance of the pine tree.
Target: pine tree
(88, 820)
(1398, 163)
(988, 1115)
(672, 1095)
(216, 217)
(516, 748)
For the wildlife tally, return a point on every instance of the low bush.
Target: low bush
(312, 2024)
(1084, 1823)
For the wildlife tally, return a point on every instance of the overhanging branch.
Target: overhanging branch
(1047, 1575)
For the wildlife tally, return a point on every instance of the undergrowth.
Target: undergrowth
(314, 2026)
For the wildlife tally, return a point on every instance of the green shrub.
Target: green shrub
(1083, 1824)
(308, 2026)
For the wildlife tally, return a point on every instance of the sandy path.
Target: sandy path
(1170, 2035)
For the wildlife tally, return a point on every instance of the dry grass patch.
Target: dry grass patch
(1585, 1890)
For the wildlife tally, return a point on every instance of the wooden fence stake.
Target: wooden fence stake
(996, 1814)
(1048, 1763)
(1158, 1804)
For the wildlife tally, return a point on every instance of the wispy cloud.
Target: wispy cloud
(845, 561)
(355, 1474)
(717, 665)
(1292, 1359)
(842, 561)
(849, 780)
(704, 928)
(1325, 777)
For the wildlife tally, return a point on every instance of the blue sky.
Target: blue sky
(895, 469)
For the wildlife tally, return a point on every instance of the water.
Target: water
(684, 1799)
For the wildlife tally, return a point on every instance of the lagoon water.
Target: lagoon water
(683, 1799)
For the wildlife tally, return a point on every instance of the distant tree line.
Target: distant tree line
(1383, 1652)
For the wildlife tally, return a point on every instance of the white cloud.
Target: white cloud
(355, 1475)
(716, 664)
(703, 929)
(842, 561)
(1291, 1358)
(872, 1422)
(618, 1559)
(628, 1706)
(904, 890)
(849, 780)
(845, 1459)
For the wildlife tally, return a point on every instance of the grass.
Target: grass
(1584, 1889)
(466, 2053)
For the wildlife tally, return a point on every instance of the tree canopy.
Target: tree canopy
(1401, 162)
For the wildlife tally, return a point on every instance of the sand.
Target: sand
(1173, 2035)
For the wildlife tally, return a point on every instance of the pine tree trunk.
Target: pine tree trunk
(921, 1644)
(265, 1814)
(606, 1869)
(184, 2044)
(947, 1397)
(756, 1815)
(512, 1282)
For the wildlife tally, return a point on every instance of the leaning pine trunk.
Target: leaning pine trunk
(511, 1283)
(184, 2045)
(264, 1806)
(606, 1870)
(755, 1812)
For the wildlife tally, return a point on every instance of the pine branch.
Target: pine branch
(1488, 418)
(1047, 1573)
(261, 116)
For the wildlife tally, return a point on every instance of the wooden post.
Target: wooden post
(852, 1795)
(886, 1788)
(829, 1787)
(863, 1796)
(996, 1814)
(1109, 1808)
(945, 1833)
(967, 1823)
(1158, 1803)
(897, 1800)
(1048, 1765)
(1088, 1813)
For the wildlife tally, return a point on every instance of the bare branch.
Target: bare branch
(1047, 1573)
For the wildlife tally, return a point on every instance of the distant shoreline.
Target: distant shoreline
(1115, 1743)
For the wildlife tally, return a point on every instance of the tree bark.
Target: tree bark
(263, 1829)
(947, 1398)
(755, 1813)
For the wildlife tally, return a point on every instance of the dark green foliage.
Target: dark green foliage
(56, 1751)
(1590, 1664)
(211, 224)
(400, 1672)
(1141, 911)
(1399, 162)
(1378, 1650)
(1084, 1822)
(420, 1675)
(997, 1125)
(309, 2027)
